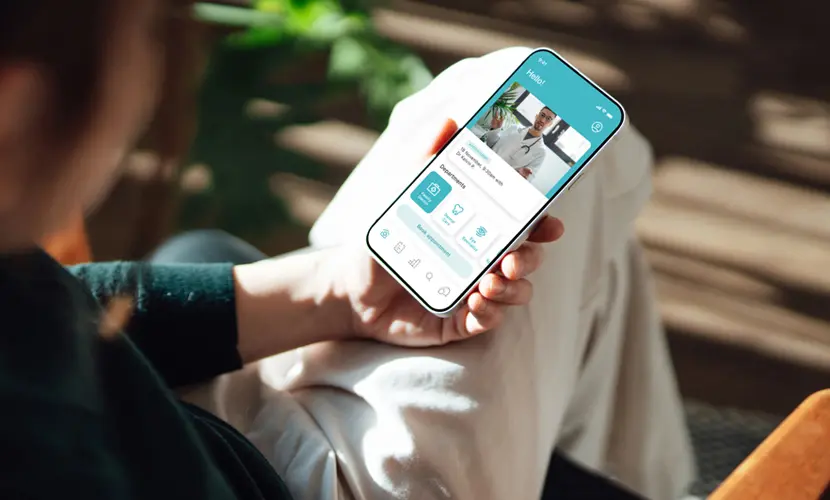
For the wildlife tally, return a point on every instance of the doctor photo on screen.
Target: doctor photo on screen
(523, 148)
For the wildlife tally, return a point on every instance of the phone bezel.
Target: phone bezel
(521, 233)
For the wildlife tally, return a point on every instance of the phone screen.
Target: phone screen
(493, 178)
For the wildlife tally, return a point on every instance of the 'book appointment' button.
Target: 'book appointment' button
(422, 229)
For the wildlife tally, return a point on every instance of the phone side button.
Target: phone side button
(577, 181)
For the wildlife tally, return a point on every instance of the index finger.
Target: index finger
(444, 135)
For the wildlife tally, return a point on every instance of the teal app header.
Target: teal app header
(570, 96)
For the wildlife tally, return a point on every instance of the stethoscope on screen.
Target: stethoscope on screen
(527, 147)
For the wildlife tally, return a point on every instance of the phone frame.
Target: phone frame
(522, 234)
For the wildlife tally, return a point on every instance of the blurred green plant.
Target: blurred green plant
(306, 55)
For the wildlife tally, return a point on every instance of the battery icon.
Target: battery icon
(609, 115)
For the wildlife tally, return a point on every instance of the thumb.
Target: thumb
(444, 135)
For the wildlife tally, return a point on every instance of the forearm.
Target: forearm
(184, 317)
(297, 290)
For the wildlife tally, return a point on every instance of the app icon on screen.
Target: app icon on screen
(431, 192)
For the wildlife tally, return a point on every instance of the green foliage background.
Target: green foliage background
(270, 51)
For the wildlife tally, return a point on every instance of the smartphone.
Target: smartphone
(479, 197)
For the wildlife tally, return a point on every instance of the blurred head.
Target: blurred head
(79, 83)
(544, 119)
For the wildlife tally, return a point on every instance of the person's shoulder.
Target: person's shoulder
(48, 346)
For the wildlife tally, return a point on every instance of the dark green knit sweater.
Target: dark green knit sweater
(88, 418)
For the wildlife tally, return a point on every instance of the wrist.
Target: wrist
(287, 303)
(332, 292)
(350, 272)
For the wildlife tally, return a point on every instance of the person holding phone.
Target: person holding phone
(523, 148)
(89, 355)
(92, 358)
(582, 368)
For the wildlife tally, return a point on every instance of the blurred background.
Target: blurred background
(734, 95)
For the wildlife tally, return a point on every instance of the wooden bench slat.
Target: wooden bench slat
(794, 260)
(755, 326)
(766, 201)
(711, 275)
(686, 23)
(430, 29)
(345, 144)
(792, 122)
(790, 164)
(427, 33)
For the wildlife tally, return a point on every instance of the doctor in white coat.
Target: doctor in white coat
(523, 148)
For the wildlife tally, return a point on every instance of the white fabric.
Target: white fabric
(584, 366)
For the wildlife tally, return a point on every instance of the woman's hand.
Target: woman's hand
(341, 293)
(382, 310)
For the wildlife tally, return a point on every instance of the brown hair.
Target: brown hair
(66, 38)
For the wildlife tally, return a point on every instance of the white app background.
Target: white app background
(471, 224)
(453, 213)
(477, 237)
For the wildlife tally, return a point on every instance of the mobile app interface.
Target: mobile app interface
(493, 177)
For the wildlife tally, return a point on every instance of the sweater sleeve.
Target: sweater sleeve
(184, 318)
